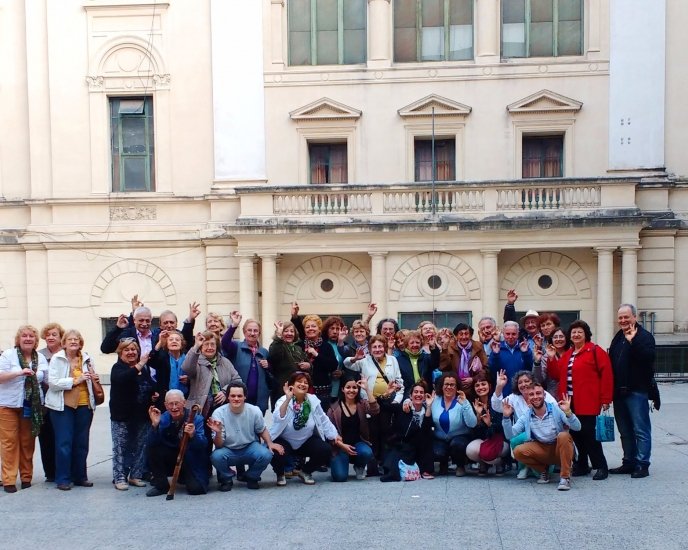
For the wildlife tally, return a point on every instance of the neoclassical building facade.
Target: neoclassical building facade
(423, 155)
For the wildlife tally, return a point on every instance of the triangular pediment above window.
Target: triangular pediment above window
(325, 109)
(443, 107)
(545, 101)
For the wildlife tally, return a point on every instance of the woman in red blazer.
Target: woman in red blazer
(585, 374)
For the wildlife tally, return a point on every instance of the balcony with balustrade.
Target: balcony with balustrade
(597, 200)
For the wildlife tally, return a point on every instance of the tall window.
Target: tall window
(543, 157)
(328, 162)
(327, 32)
(131, 135)
(542, 28)
(445, 159)
(433, 30)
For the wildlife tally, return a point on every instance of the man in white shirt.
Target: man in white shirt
(237, 429)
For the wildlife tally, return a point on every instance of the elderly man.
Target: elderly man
(466, 360)
(632, 353)
(237, 430)
(509, 355)
(141, 319)
(163, 447)
(487, 327)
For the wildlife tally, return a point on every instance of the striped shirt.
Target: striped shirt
(569, 374)
(543, 429)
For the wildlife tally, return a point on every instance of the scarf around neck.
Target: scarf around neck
(32, 392)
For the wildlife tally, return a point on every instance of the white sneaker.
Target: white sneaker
(360, 472)
(281, 481)
(306, 478)
(564, 484)
(523, 473)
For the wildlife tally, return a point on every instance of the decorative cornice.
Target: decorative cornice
(325, 109)
(544, 101)
(443, 108)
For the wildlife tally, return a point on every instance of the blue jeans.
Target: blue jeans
(632, 413)
(71, 427)
(254, 455)
(339, 465)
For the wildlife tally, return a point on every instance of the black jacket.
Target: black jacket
(131, 393)
(632, 363)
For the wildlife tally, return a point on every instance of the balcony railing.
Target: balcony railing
(414, 200)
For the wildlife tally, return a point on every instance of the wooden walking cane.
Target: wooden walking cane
(180, 457)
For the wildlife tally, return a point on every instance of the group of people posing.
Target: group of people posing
(391, 405)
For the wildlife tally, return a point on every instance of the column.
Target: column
(276, 46)
(490, 283)
(378, 33)
(605, 296)
(487, 27)
(247, 287)
(629, 275)
(269, 289)
(378, 290)
(37, 298)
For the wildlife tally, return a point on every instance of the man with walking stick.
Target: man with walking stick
(170, 430)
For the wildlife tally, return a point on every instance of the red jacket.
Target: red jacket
(593, 381)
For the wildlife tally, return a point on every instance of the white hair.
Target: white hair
(513, 324)
(174, 393)
(142, 310)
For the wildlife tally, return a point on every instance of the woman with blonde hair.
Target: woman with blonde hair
(22, 370)
(71, 400)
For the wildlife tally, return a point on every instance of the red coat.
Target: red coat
(593, 381)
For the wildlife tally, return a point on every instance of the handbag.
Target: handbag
(491, 448)
(408, 472)
(604, 427)
(98, 392)
(653, 394)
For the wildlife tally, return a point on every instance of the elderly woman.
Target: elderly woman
(454, 419)
(132, 391)
(360, 332)
(285, 357)
(350, 415)
(166, 362)
(488, 430)
(52, 333)
(388, 329)
(71, 401)
(428, 331)
(250, 360)
(22, 370)
(585, 375)
(215, 324)
(324, 354)
(411, 433)
(466, 358)
(209, 373)
(300, 425)
(414, 363)
(561, 343)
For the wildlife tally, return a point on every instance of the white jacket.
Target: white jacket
(326, 430)
(12, 391)
(60, 380)
(366, 366)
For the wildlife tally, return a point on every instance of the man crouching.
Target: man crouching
(163, 447)
(237, 429)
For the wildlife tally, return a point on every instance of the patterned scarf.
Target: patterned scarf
(301, 412)
(32, 393)
(315, 344)
(463, 364)
(215, 381)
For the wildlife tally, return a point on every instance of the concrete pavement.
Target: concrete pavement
(470, 512)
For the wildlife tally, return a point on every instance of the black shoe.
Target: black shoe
(600, 474)
(623, 469)
(640, 472)
(252, 484)
(579, 471)
(154, 492)
(25, 484)
(83, 483)
(64, 486)
(323, 469)
(50, 479)
(10, 488)
(226, 486)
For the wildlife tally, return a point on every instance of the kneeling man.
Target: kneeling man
(237, 429)
(163, 447)
(548, 439)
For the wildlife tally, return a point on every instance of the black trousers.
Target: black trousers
(587, 444)
(161, 461)
(46, 439)
(318, 452)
